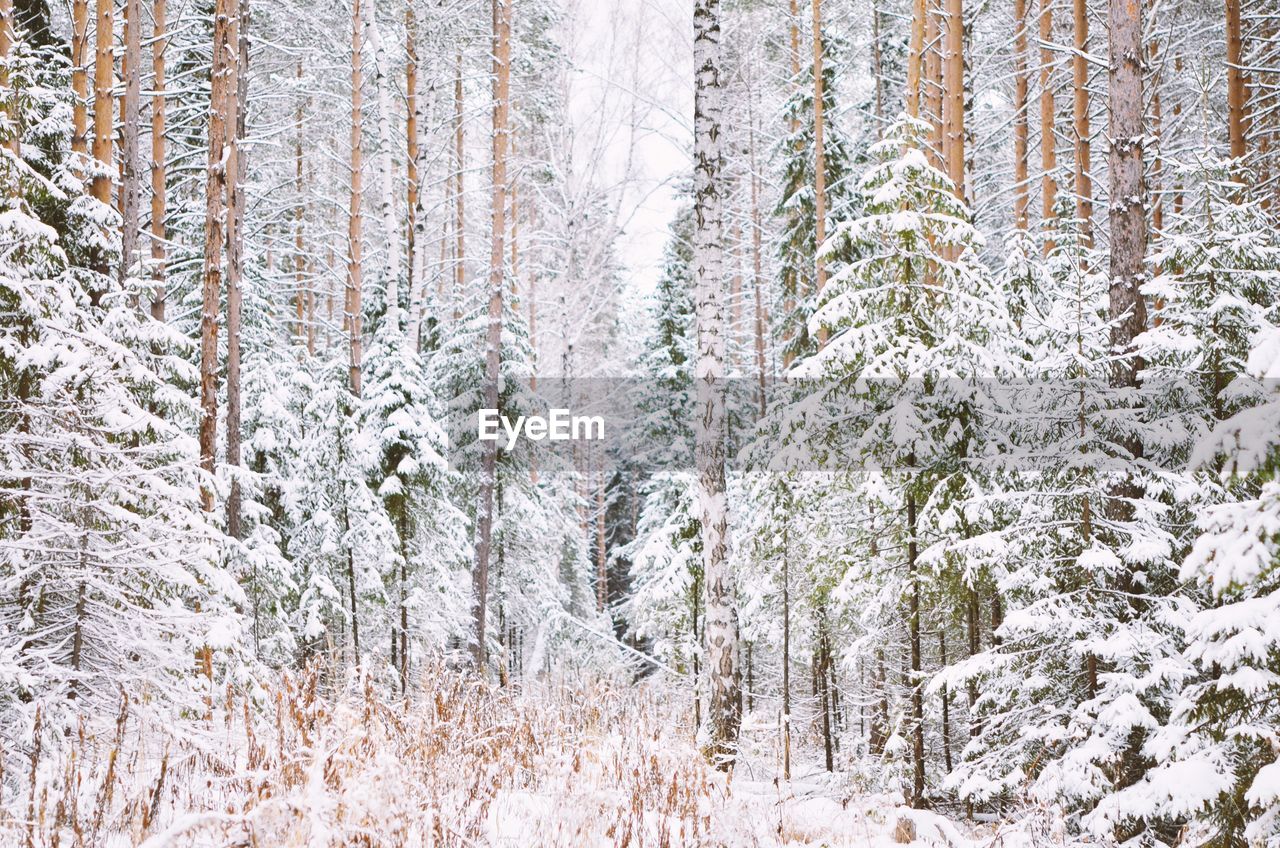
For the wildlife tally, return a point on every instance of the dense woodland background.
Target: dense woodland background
(1016, 261)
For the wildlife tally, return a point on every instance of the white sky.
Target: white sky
(632, 104)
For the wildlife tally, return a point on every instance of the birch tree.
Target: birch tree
(724, 712)
(501, 39)
(211, 278)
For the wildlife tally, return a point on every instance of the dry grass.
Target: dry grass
(466, 763)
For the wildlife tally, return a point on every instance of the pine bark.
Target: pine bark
(724, 713)
(1048, 115)
(1021, 85)
(1126, 214)
(211, 278)
(159, 172)
(1080, 117)
(915, 57)
(80, 75)
(493, 340)
(933, 83)
(411, 164)
(954, 74)
(103, 71)
(819, 154)
(130, 165)
(1237, 91)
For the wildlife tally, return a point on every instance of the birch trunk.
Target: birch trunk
(786, 654)
(387, 166)
(757, 274)
(299, 217)
(493, 341)
(724, 713)
(602, 563)
(211, 285)
(916, 681)
(459, 189)
(355, 220)
(6, 45)
(236, 96)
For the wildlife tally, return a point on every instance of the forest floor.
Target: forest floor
(305, 762)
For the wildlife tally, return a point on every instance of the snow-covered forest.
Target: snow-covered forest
(937, 343)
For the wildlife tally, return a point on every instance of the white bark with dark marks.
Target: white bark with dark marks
(724, 713)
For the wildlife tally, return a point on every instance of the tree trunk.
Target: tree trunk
(916, 683)
(459, 192)
(757, 275)
(411, 165)
(877, 68)
(786, 655)
(211, 287)
(972, 623)
(1080, 115)
(6, 47)
(80, 75)
(1021, 175)
(602, 563)
(299, 216)
(236, 97)
(955, 95)
(355, 217)
(103, 71)
(131, 183)
(933, 83)
(1048, 116)
(159, 173)
(1126, 213)
(915, 57)
(819, 155)
(697, 654)
(493, 342)
(724, 712)
(945, 696)
(1157, 165)
(386, 168)
(1237, 91)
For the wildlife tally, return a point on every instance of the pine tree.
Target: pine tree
(111, 575)
(1223, 729)
(796, 209)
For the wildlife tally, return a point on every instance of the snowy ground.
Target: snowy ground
(465, 764)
